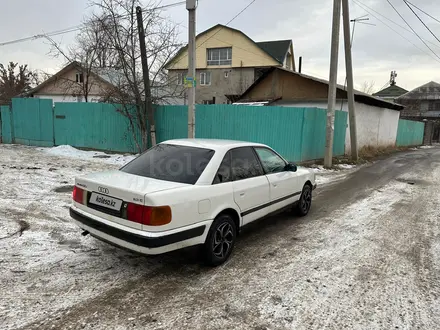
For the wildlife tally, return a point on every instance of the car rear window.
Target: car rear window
(171, 163)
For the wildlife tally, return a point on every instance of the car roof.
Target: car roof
(214, 144)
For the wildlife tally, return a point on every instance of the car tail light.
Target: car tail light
(149, 215)
(79, 195)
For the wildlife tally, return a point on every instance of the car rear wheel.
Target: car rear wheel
(305, 201)
(220, 241)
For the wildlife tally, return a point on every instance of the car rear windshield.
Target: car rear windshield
(171, 163)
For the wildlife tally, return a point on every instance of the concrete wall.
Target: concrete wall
(236, 82)
(375, 126)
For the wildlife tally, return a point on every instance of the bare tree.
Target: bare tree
(368, 87)
(118, 22)
(92, 49)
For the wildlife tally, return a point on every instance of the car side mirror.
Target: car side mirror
(291, 167)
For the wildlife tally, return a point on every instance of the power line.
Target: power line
(412, 28)
(390, 20)
(412, 43)
(424, 12)
(81, 26)
(226, 42)
(230, 21)
(426, 26)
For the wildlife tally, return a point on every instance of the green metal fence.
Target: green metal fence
(93, 125)
(6, 124)
(297, 133)
(32, 122)
(410, 133)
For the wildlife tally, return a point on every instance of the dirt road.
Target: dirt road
(366, 257)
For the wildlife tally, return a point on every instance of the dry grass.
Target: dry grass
(366, 154)
(369, 153)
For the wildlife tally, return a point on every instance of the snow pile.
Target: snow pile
(346, 166)
(426, 147)
(71, 152)
(326, 176)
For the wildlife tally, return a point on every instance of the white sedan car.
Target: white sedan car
(189, 192)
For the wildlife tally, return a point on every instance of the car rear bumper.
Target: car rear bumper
(138, 240)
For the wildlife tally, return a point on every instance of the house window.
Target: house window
(437, 106)
(208, 102)
(79, 77)
(205, 78)
(180, 78)
(219, 56)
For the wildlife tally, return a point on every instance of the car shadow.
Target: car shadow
(188, 261)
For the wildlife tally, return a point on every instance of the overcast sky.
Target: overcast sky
(376, 49)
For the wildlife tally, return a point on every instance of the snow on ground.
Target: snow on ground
(326, 176)
(71, 152)
(43, 254)
(41, 250)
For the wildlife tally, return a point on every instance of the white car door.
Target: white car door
(284, 184)
(250, 186)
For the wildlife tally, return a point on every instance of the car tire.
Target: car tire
(220, 240)
(305, 201)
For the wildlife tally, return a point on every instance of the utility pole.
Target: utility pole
(332, 83)
(350, 87)
(191, 6)
(148, 104)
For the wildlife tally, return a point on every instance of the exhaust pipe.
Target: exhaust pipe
(85, 233)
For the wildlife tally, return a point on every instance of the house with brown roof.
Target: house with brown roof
(377, 119)
(73, 83)
(77, 83)
(228, 62)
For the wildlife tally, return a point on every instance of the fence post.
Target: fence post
(53, 123)
(11, 119)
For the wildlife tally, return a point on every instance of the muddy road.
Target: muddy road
(367, 256)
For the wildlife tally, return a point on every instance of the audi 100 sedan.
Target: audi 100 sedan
(188, 192)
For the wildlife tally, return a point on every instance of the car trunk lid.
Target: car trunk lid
(109, 192)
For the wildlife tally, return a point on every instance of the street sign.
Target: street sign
(190, 82)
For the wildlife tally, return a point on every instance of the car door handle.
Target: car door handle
(242, 194)
(274, 184)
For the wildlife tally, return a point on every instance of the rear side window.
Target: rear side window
(245, 164)
(224, 173)
(171, 163)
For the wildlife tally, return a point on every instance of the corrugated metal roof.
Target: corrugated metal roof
(359, 96)
(391, 91)
(429, 91)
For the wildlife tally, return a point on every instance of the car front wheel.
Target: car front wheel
(220, 241)
(305, 201)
